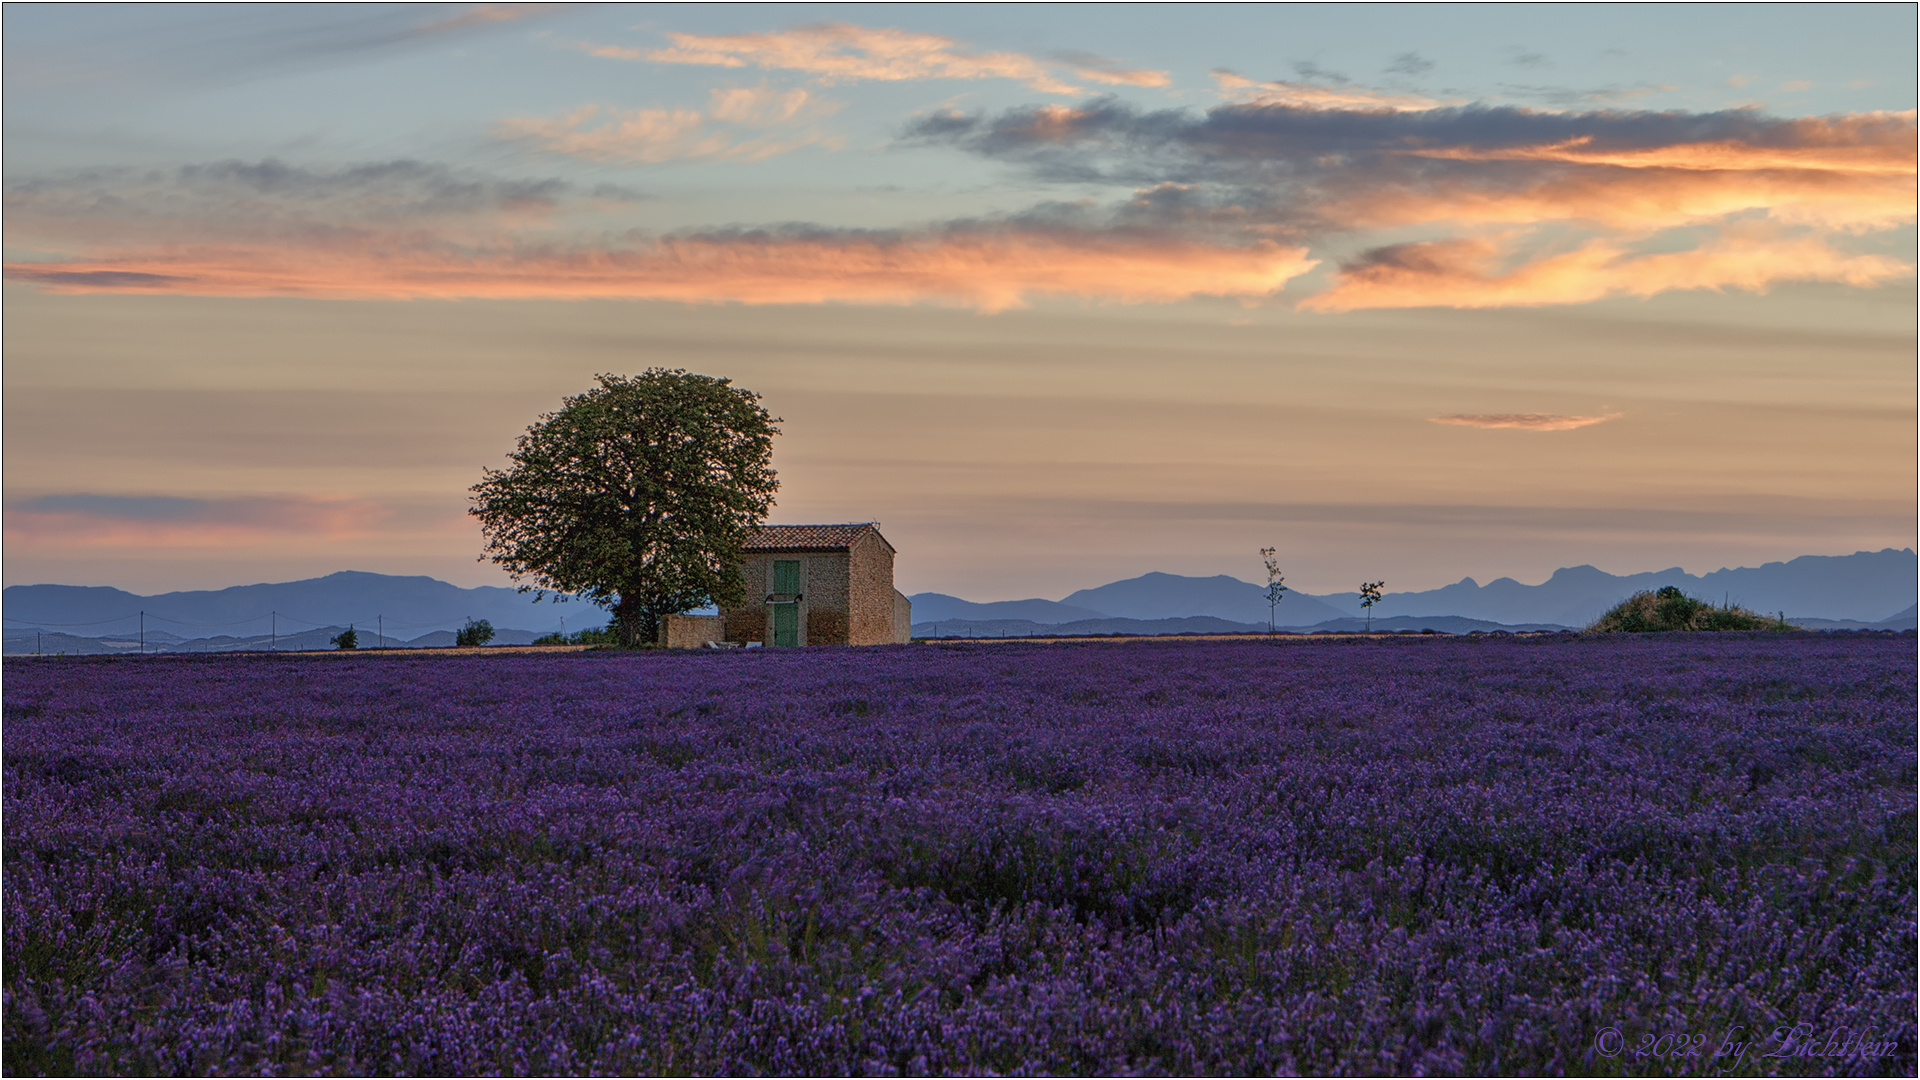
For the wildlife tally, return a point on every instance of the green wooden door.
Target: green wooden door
(786, 577)
(786, 624)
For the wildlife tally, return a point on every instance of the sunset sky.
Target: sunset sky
(1058, 295)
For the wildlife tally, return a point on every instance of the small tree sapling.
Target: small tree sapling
(1369, 596)
(1276, 585)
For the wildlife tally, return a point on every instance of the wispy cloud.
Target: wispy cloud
(1095, 68)
(231, 43)
(659, 134)
(842, 52)
(1410, 63)
(83, 519)
(1478, 273)
(486, 15)
(1524, 421)
(121, 207)
(1342, 94)
(989, 268)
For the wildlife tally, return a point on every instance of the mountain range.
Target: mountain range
(1867, 588)
(403, 608)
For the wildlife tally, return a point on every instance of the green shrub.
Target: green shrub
(1671, 609)
(603, 636)
(345, 639)
(475, 633)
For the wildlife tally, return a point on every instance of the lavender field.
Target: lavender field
(1457, 855)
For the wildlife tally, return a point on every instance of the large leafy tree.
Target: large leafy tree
(638, 494)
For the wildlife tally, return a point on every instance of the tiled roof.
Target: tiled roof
(810, 537)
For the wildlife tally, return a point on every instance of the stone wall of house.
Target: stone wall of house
(692, 631)
(746, 624)
(824, 627)
(870, 577)
(902, 618)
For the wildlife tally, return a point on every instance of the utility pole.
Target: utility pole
(143, 633)
(273, 643)
(380, 635)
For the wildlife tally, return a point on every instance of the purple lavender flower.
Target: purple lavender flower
(1139, 857)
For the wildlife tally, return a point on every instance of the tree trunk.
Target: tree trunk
(634, 625)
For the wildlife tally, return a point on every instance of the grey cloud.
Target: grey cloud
(1410, 63)
(139, 48)
(1416, 257)
(99, 279)
(1086, 61)
(1311, 71)
(183, 510)
(618, 193)
(227, 194)
(419, 187)
(138, 507)
(1111, 138)
(1576, 97)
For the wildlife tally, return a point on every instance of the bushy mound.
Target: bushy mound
(1671, 609)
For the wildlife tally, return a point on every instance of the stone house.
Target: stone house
(808, 585)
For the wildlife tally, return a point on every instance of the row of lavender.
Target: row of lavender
(1481, 856)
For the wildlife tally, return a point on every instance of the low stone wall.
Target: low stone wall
(902, 618)
(691, 631)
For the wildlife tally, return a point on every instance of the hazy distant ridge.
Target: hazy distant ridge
(1865, 587)
(412, 606)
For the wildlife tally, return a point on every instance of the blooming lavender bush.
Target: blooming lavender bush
(1441, 855)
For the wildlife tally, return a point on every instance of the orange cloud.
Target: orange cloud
(1849, 173)
(485, 14)
(607, 52)
(1466, 273)
(1102, 70)
(1244, 91)
(1876, 143)
(654, 135)
(988, 270)
(1638, 200)
(840, 52)
(1524, 421)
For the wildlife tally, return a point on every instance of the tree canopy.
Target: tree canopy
(638, 494)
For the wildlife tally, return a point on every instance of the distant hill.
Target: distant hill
(1198, 624)
(1171, 596)
(410, 606)
(934, 607)
(1014, 628)
(1905, 620)
(1865, 587)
